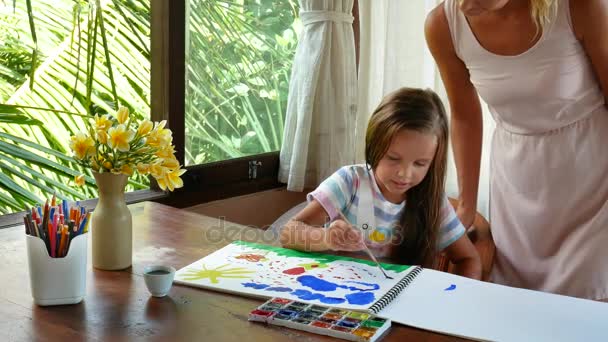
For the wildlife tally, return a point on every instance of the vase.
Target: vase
(111, 224)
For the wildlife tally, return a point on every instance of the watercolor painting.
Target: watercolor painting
(268, 271)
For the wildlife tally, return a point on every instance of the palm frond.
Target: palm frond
(70, 85)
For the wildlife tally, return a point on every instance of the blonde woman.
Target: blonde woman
(542, 67)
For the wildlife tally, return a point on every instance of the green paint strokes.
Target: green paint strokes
(319, 257)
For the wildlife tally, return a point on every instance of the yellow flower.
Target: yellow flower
(122, 115)
(171, 180)
(120, 138)
(145, 127)
(107, 165)
(126, 169)
(103, 122)
(166, 152)
(160, 136)
(102, 136)
(143, 169)
(172, 164)
(157, 171)
(160, 125)
(82, 145)
(79, 180)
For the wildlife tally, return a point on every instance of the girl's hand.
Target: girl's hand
(341, 236)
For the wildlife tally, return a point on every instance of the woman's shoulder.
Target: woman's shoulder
(436, 19)
(438, 30)
(583, 13)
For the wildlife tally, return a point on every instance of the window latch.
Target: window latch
(253, 168)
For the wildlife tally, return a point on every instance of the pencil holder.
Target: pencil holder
(57, 281)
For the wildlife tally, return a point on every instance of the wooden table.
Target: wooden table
(118, 307)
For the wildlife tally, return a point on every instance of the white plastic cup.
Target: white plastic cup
(57, 281)
(159, 279)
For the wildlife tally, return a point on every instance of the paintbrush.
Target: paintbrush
(367, 250)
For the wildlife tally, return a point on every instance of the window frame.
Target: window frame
(202, 182)
(210, 181)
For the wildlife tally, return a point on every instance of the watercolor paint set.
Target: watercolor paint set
(323, 320)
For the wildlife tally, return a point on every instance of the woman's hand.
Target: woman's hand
(466, 216)
(341, 236)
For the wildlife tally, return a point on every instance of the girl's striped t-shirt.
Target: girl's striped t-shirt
(340, 193)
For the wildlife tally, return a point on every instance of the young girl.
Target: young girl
(396, 203)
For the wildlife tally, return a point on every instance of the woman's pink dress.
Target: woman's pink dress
(549, 159)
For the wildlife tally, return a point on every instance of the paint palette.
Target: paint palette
(345, 324)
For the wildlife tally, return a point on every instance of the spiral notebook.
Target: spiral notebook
(422, 298)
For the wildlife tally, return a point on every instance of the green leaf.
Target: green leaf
(11, 186)
(38, 176)
(18, 119)
(40, 161)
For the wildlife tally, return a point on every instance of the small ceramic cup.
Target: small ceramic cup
(159, 279)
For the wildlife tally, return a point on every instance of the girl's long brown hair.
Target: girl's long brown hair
(421, 111)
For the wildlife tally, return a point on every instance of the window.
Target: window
(46, 58)
(217, 70)
(220, 72)
(238, 63)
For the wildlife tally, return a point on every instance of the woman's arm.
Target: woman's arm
(465, 258)
(305, 232)
(466, 120)
(590, 24)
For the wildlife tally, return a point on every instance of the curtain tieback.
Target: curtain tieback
(309, 17)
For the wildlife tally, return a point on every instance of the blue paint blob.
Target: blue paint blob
(279, 289)
(451, 287)
(360, 298)
(317, 284)
(255, 285)
(373, 286)
(307, 295)
(324, 285)
(331, 300)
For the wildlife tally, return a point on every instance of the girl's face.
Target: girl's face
(405, 163)
(476, 7)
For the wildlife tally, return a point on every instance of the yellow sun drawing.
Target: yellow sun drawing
(219, 272)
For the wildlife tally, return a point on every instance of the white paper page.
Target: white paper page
(464, 307)
(267, 271)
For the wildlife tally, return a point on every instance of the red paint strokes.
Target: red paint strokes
(295, 271)
(251, 257)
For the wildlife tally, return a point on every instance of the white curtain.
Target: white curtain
(322, 107)
(393, 54)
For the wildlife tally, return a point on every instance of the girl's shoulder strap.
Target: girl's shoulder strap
(365, 208)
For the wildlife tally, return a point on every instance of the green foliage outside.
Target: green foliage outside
(238, 67)
(63, 61)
